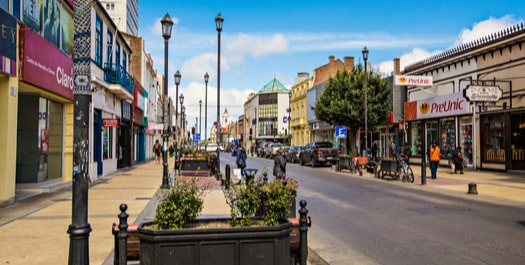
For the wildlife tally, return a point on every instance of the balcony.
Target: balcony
(121, 83)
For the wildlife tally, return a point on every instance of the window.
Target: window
(415, 138)
(117, 55)
(493, 139)
(107, 145)
(109, 54)
(50, 138)
(448, 137)
(98, 41)
(124, 62)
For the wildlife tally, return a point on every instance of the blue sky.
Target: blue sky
(262, 39)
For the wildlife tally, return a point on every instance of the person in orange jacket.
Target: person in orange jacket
(434, 155)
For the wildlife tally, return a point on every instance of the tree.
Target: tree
(342, 101)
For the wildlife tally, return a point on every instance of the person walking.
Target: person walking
(241, 159)
(434, 155)
(279, 164)
(156, 150)
(458, 161)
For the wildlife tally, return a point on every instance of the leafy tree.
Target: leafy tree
(342, 101)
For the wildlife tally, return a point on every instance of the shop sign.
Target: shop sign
(46, 66)
(450, 105)
(8, 43)
(155, 126)
(110, 122)
(483, 93)
(413, 80)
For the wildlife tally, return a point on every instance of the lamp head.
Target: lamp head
(206, 77)
(218, 22)
(365, 54)
(181, 98)
(167, 24)
(177, 77)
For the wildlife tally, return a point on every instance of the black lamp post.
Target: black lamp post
(182, 124)
(200, 120)
(177, 76)
(206, 79)
(365, 58)
(79, 229)
(289, 119)
(218, 24)
(181, 100)
(167, 24)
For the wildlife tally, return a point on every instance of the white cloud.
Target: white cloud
(257, 45)
(478, 30)
(484, 28)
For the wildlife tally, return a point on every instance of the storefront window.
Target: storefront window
(448, 137)
(517, 141)
(431, 132)
(415, 138)
(465, 138)
(493, 139)
(50, 132)
(107, 146)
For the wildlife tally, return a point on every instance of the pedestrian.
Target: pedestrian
(241, 159)
(407, 153)
(458, 160)
(434, 155)
(374, 151)
(156, 150)
(393, 150)
(279, 165)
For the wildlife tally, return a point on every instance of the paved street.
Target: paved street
(34, 230)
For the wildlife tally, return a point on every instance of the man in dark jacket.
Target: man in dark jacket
(241, 159)
(279, 164)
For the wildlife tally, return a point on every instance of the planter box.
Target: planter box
(195, 168)
(239, 245)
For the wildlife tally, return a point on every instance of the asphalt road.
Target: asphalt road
(362, 220)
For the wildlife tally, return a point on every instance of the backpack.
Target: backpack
(157, 147)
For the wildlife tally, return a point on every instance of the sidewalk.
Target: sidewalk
(34, 230)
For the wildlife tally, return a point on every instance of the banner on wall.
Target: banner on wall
(449, 105)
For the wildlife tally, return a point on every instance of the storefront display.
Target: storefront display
(448, 138)
(415, 138)
(465, 136)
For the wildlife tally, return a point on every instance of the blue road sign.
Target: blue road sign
(341, 132)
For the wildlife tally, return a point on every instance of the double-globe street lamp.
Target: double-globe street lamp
(167, 25)
(365, 58)
(206, 79)
(177, 76)
(218, 24)
(183, 125)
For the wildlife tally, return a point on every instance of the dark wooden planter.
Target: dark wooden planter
(195, 167)
(240, 245)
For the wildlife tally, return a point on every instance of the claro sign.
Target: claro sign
(44, 65)
(450, 105)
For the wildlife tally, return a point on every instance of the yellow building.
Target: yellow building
(299, 125)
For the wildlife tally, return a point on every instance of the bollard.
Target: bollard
(472, 188)
(227, 170)
(423, 172)
(303, 229)
(122, 235)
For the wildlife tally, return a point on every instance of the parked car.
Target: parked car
(271, 150)
(260, 148)
(315, 153)
(292, 155)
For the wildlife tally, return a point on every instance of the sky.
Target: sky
(263, 39)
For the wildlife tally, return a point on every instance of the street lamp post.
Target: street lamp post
(365, 58)
(181, 100)
(183, 124)
(167, 24)
(200, 119)
(218, 24)
(177, 76)
(289, 119)
(206, 79)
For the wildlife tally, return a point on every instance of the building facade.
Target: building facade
(298, 124)
(476, 101)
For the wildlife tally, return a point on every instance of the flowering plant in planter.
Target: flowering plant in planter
(255, 200)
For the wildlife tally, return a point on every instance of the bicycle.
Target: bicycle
(406, 170)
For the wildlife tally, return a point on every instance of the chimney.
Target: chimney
(397, 66)
(349, 63)
(331, 59)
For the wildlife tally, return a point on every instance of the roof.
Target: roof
(273, 86)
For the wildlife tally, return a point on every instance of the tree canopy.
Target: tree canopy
(342, 101)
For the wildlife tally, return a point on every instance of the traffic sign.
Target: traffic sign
(341, 132)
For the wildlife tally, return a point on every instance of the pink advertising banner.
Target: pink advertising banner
(44, 65)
